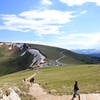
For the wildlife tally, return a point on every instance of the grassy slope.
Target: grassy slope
(53, 53)
(73, 58)
(14, 63)
(96, 54)
(60, 78)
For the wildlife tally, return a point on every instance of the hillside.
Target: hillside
(54, 53)
(11, 61)
(95, 54)
(88, 77)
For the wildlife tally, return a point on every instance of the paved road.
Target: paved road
(62, 52)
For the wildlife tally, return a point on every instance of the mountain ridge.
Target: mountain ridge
(92, 52)
(11, 61)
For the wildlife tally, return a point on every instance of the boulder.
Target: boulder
(13, 95)
(1, 94)
(10, 95)
(22, 93)
(5, 97)
(17, 90)
(52, 91)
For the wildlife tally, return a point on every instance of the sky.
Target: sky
(70, 24)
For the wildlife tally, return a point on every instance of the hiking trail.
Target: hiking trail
(41, 94)
(62, 52)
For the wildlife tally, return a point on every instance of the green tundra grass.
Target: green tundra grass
(60, 78)
(11, 61)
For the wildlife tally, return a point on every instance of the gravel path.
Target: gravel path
(41, 94)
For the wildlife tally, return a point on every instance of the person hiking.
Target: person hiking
(24, 79)
(75, 89)
(32, 81)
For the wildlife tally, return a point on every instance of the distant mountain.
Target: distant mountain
(95, 54)
(86, 51)
(92, 52)
(19, 56)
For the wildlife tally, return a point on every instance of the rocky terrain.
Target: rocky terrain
(11, 94)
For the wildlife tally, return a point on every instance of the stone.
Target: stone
(52, 91)
(17, 90)
(5, 97)
(12, 95)
(22, 93)
(1, 94)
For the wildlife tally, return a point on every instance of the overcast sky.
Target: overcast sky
(71, 24)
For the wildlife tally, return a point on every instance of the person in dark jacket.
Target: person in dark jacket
(24, 79)
(32, 81)
(75, 89)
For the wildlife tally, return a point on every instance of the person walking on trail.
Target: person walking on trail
(75, 89)
(24, 79)
(32, 81)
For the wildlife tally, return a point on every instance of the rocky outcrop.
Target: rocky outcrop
(10, 94)
(1, 94)
(23, 48)
(38, 57)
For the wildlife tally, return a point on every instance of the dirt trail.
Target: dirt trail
(41, 94)
(92, 96)
(31, 76)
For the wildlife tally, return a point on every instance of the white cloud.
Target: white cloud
(46, 2)
(49, 16)
(79, 2)
(42, 22)
(72, 41)
(84, 12)
(81, 40)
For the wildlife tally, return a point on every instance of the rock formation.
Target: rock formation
(10, 95)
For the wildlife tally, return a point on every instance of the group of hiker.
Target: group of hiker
(31, 81)
(76, 88)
